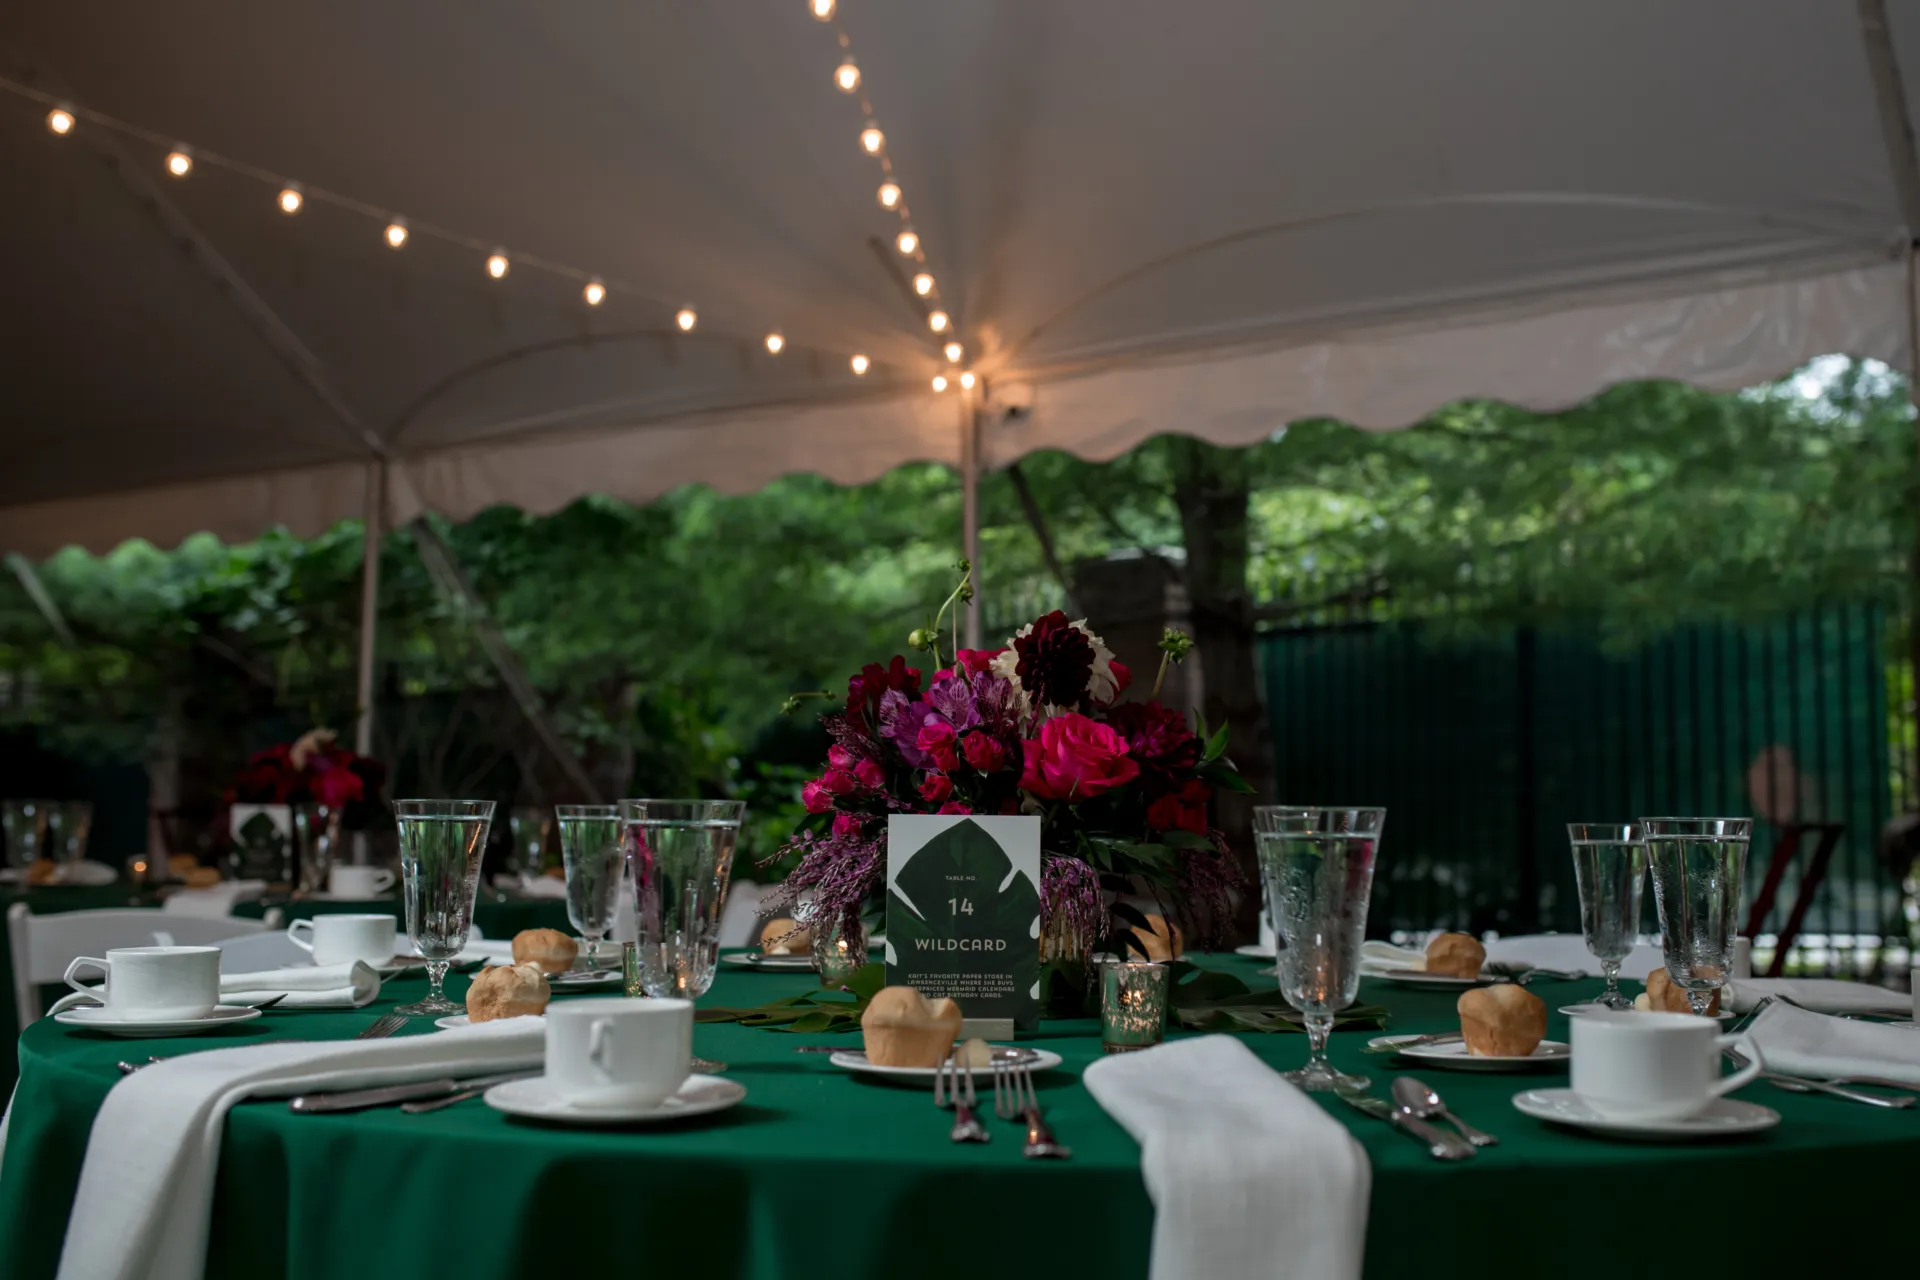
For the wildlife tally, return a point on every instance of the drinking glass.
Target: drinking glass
(25, 824)
(593, 846)
(1609, 865)
(441, 845)
(68, 827)
(681, 852)
(1697, 863)
(1318, 868)
(527, 850)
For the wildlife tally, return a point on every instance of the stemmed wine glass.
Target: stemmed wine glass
(1697, 864)
(593, 846)
(1318, 867)
(1609, 866)
(441, 845)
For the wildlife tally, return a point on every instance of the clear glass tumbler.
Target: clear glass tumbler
(441, 845)
(25, 824)
(1697, 864)
(1609, 866)
(69, 826)
(594, 848)
(681, 852)
(1318, 868)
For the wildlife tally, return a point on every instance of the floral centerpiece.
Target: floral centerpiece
(289, 803)
(308, 770)
(1042, 725)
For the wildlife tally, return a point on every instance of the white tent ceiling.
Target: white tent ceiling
(1145, 217)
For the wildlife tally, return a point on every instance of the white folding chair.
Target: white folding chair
(43, 946)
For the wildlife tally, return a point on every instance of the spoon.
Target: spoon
(1424, 1104)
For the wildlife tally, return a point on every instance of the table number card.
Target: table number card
(963, 915)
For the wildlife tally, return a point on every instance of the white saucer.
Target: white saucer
(770, 964)
(856, 1060)
(96, 1018)
(1723, 1118)
(538, 1099)
(1421, 978)
(1594, 1006)
(1255, 951)
(1452, 1055)
(453, 1022)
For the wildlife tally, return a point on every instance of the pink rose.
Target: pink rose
(847, 824)
(984, 752)
(954, 806)
(870, 775)
(1122, 677)
(1075, 759)
(839, 757)
(936, 739)
(838, 781)
(816, 797)
(935, 788)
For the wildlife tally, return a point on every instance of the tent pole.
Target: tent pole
(970, 507)
(376, 521)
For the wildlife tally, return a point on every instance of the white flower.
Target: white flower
(309, 743)
(1101, 686)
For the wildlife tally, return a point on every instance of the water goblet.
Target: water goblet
(1697, 864)
(681, 852)
(1609, 866)
(594, 850)
(1318, 868)
(442, 843)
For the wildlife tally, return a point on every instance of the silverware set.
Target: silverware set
(417, 1097)
(1014, 1098)
(1412, 1110)
(383, 1026)
(959, 1094)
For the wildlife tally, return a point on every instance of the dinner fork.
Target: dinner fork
(1023, 1103)
(383, 1027)
(966, 1125)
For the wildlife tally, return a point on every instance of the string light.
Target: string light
(290, 199)
(872, 139)
(938, 321)
(923, 284)
(939, 382)
(966, 380)
(847, 76)
(907, 242)
(954, 352)
(822, 9)
(595, 293)
(497, 264)
(889, 195)
(686, 319)
(774, 343)
(179, 163)
(397, 234)
(859, 364)
(59, 121)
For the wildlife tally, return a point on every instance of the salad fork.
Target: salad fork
(966, 1125)
(1019, 1101)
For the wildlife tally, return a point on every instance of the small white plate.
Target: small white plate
(96, 1018)
(770, 964)
(1421, 978)
(1254, 951)
(453, 1022)
(1724, 1118)
(539, 1099)
(856, 1060)
(1452, 1055)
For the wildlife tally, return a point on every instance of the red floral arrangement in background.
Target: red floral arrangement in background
(1037, 726)
(309, 770)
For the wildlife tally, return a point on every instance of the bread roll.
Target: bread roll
(182, 865)
(1456, 955)
(507, 991)
(202, 878)
(550, 949)
(1503, 1021)
(903, 1028)
(1664, 996)
(783, 936)
(42, 871)
(1161, 938)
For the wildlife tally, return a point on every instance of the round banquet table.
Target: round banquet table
(820, 1172)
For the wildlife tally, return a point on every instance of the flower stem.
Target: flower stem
(965, 588)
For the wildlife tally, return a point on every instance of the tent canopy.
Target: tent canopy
(1143, 217)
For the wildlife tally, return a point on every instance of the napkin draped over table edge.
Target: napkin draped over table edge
(1249, 1178)
(145, 1197)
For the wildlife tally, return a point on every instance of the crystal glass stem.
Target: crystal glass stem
(1611, 997)
(1701, 1000)
(436, 980)
(1319, 1027)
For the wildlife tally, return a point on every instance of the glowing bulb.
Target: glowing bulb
(60, 121)
(923, 284)
(179, 163)
(822, 9)
(595, 293)
(872, 139)
(847, 76)
(685, 319)
(291, 199)
(497, 265)
(859, 364)
(907, 242)
(938, 322)
(955, 351)
(939, 382)
(966, 380)
(889, 195)
(396, 233)
(774, 343)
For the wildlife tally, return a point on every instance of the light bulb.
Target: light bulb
(497, 265)
(595, 293)
(938, 322)
(685, 319)
(859, 364)
(774, 343)
(179, 163)
(955, 351)
(397, 233)
(889, 195)
(907, 242)
(923, 284)
(872, 139)
(966, 380)
(60, 121)
(822, 9)
(847, 76)
(291, 199)
(939, 382)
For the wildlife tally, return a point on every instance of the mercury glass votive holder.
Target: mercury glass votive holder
(1133, 1005)
(630, 981)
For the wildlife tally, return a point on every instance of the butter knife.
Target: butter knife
(310, 1104)
(1441, 1146)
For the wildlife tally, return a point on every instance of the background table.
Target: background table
(819, 1173)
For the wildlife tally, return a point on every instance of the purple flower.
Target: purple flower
(900, 724)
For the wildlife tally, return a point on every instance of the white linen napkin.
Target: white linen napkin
(541, 887)
(1823, 995)
(1798, 1043)
(146, 1187)
(1377, 957)
(1249, 1178)
(217, 900)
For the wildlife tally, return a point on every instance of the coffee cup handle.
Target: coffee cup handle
(293, 935)
(1745, 1075)
(599, 1043)
(80, 962)
(382, 880)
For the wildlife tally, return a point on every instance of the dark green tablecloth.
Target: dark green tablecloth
(821, 1173)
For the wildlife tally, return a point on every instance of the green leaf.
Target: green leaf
(1216, 744)
(1186, 840)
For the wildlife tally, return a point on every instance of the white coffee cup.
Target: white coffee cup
(617, 1051)
(154, 984)
(343, 939)
(359, 882)
(1654, 1066)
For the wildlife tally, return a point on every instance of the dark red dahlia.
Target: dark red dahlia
(1157, 738)
(1056, 662)
(865, 690)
